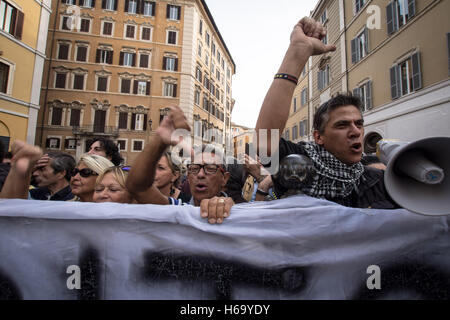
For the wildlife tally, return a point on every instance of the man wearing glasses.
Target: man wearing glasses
(207, 174)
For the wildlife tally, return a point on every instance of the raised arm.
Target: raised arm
(24, 158)
(142, 174)
(305, 41)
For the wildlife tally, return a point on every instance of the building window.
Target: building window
(125, 85)
(170, 64)
(60, 80)
(197, 97)
(206, 59)
(325, 39)
(207, 38)
(63, 51)
(104, 56)
(218, 75)
(78, 82)
(123, 120)
(200, 49)
(70, 144)
(303, 128)
(127, 59)
(81, 53)
(360, 46)
(109, 4)
(11, 19)
(213, 49)
(143, 87)
(406, 76)
(358, 5)
(323, 17)
(69, 2)
(107, 28)
(56, 116)
(170, 90)
(304, 96)
(122, 145)
(102, 83)
(198, 74)
(130, 31)
(146, 33)
(286, 134)
(53, 143)
(87, 3)
(294, 132)
(138, 145)
(75, 117)
(132, 6)
(323, 78)
(173, 12)
(144, 60)
(398, 13)
(200, 27)
(66, 23)
(4, 77)
(364, 92)
(295, 104)
(149, 8)
(85, 25)
(171, 37)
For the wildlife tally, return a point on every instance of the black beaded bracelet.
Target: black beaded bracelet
(286, 76)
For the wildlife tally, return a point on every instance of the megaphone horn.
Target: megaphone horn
(417, 176)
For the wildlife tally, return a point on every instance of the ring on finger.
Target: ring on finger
(221, 200)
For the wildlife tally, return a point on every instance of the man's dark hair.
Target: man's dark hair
(111, 150)
(322, 114)
(62, 161)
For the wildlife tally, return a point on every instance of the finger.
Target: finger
(228, 204)
(204, 208)
(212, 209)
(220, 209)
(318, 30)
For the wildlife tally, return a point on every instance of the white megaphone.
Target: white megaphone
(417, 176)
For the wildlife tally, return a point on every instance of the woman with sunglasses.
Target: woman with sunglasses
(85, 175)
(110, 186)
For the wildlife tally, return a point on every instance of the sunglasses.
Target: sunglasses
(86, 172)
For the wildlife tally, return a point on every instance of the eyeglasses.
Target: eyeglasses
(86, 172)
(208, 168)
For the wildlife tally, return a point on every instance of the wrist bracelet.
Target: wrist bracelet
(263, 193)
(286, 76)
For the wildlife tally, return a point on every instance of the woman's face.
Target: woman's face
(164, 174)
(82, 186)
(109, 190)
(96, 148)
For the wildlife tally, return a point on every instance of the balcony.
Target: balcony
(96, 130)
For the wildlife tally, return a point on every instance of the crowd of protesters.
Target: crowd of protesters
(209, 180)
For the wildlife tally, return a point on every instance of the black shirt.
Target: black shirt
(371, 192)
(65, 194)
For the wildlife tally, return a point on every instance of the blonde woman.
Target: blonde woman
(167, 176)
(85, 175)
(110, 186)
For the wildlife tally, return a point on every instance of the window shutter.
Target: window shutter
(153, 8)
(121, 58)
(93, 3)
(411, 8)
(115, 4)
(57, 116)
(366, 40)
(133, 121)
(147, 88)
(164, 63)
(320, 80)
(110, 57)
(75, 117)
(97, 56)
(179, 13)
(81, 53)
(168, 11)
(47, 143)
(103, 4)
(133, 60)
(125, 86)
(174, 90)
(369, 95)
(176, 64)
(394, 82)
(145, 122)
(66, 143)
(19, 25)
(390, 17)
(135, 87)
(127, 3)
(354, 52)
(78, 82)
(417, 74)
(356, 92)
(143, 63)
(63, 51)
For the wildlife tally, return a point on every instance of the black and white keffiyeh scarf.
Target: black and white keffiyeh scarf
(334, 178)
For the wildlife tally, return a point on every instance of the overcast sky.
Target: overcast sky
(256, 33)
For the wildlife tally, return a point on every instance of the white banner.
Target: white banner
(295, 248)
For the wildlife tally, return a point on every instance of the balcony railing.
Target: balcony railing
(96, 130)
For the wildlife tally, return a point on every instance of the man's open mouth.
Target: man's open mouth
(356, 147)
(200, 187)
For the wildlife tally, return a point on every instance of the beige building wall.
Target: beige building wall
(22, 52)
(299, 112)
(148, 107)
